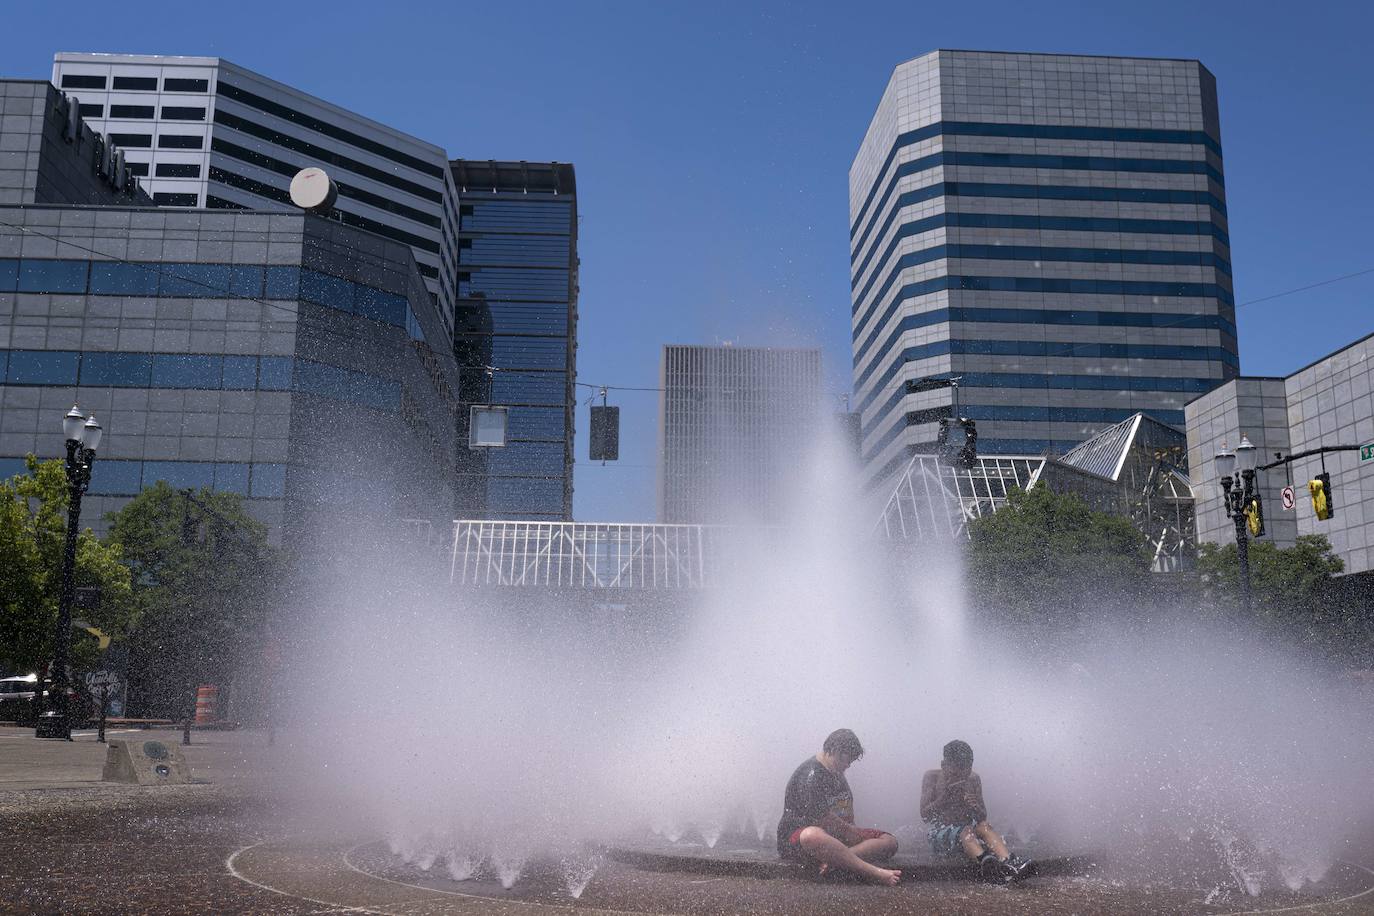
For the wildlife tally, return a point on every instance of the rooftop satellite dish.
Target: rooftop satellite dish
(312, 189)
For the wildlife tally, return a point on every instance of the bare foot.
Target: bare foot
(887, 876)
(823, 870)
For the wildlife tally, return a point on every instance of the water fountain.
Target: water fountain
(511, 742)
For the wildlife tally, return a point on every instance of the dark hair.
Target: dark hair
(843, 741)
(959, 752)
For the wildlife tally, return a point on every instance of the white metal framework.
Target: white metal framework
(934, 499)
(577, 555)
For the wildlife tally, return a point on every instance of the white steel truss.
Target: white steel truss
(578, 555)
(933, 499)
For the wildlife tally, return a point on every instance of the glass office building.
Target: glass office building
(515, 334)
(1051, 231)
(280, 356)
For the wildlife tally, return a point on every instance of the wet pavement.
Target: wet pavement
(70, 844)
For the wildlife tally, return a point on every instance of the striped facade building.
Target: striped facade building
(1051, 231)
(204, 132)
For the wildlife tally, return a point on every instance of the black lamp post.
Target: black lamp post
(1237, 472)
(83, 437)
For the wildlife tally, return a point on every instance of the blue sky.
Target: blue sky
(712, 143)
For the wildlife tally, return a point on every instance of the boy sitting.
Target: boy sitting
(952, 804)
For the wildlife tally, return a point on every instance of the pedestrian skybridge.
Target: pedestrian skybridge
(589, 556)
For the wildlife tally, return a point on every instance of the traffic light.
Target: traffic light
(1322, 503)
(1254, 517)
(968, 454)
(605, 434)
(948, 446)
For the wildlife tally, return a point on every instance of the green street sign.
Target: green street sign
(1367, 452)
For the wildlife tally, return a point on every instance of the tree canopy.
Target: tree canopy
(33, 525)
(1047, 558)
(203, 570)
(1293, 594)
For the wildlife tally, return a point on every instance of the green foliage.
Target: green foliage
(204, 573)
(1293, 594)
(1046, 559)
(33, 525)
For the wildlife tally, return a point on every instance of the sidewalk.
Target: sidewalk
(28, 763)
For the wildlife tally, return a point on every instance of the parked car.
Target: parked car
(16, 700)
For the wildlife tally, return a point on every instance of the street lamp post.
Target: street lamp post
(83, 437)
(1237, 472)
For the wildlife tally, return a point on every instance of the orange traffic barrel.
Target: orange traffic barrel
(206, 698)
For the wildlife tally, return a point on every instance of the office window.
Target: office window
(178, 170)
(241, 372)
(110, 278)
(184, 84)
(283, 282)
(274, 373)
(131, 111)
(231, 477)
(82, 81)
(327, 290)
(115, 477)
(42, 367)
(180, 475)
(182, 113)
(536, 423)
(38, 276)
(9, 274)
(533, 459)
(381, 306)
(118, 370)
(245, 280)
(92, 111)
(132, 141)
(269, 481)
(186, 371)
(136, 83)
(167, 199)
(199, 281)
(180, 141)
(137, 168)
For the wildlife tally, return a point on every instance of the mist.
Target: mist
(479, 730)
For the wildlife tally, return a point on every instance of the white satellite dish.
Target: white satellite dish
(313, 189)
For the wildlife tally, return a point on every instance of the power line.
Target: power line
(1358, 273)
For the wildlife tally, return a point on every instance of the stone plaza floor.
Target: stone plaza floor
(230, 844)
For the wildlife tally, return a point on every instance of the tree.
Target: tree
(33, 525)
(1294, 594)
(204, 572)
(1046, 559)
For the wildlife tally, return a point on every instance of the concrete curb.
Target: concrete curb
(759, 867)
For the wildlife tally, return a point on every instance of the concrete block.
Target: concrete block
(145, 763)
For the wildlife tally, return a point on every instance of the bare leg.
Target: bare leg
(827, 850)
(994, 842)
(973, 847)
(878, 849)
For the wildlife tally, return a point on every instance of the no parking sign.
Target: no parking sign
(1287, 498)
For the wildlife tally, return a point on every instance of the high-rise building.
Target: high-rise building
(515, 334)
(204, 132)
(1051, 231)
(733, 424)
